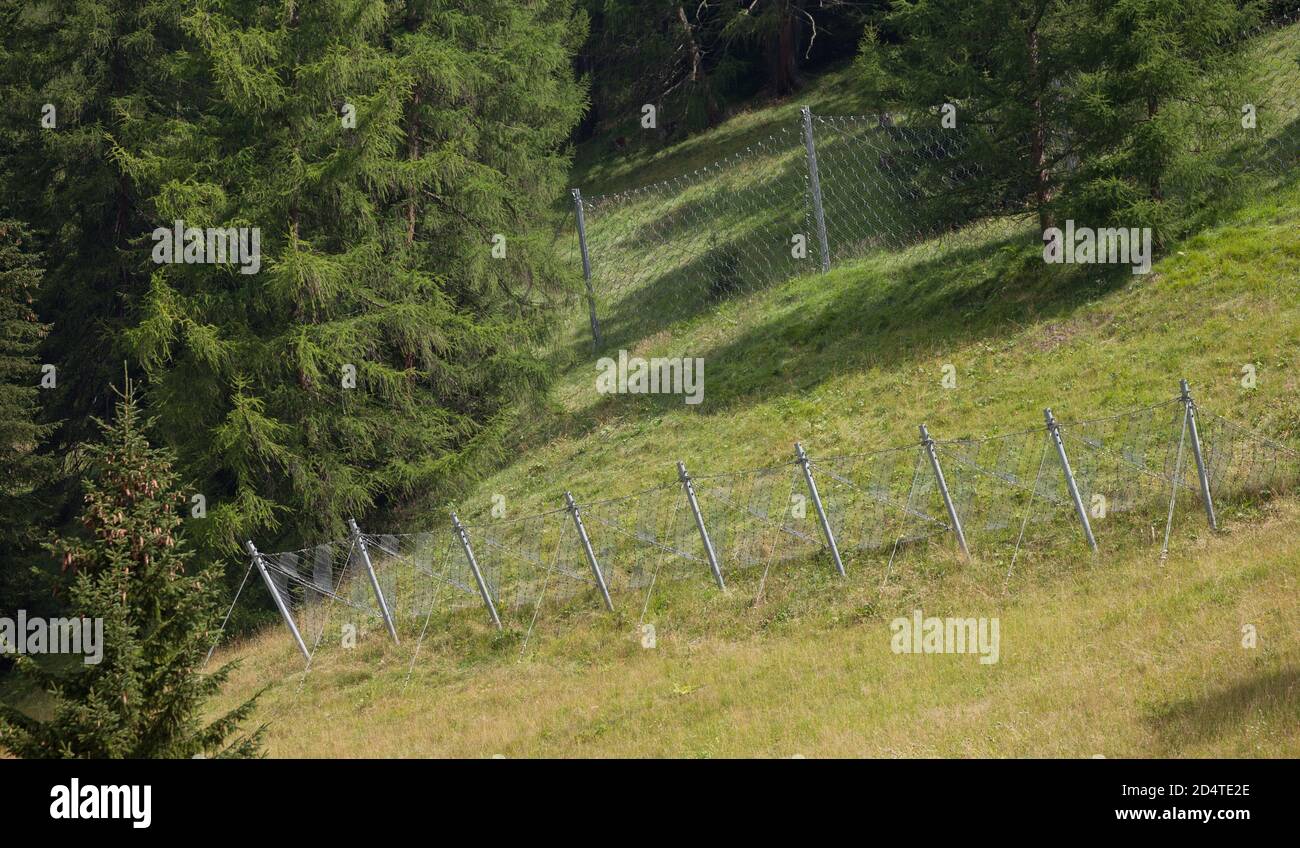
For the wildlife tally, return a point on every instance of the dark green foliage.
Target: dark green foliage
(110, 71)
(1159, 82)
(663, 53)
(999, 64)
(132, 568)
(691, 60)
(1065, 106)
(375, 241)
(26, 473)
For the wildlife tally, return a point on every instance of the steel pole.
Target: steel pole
(1189, 410)
(817, 505)
(374, 580)
(586, 547)
(473, 567)
(699, 523)
(1054, 432)
(275, 596)
(815, 188)
(586, 269)
(928, 444)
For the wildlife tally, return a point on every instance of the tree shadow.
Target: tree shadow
(897, 314)
(1196, 721)
(672, 252)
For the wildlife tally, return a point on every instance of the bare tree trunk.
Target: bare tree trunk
(782, 58)
(698, 76)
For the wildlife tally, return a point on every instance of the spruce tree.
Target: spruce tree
(83, 83)
(1082, 109)
(132, 568)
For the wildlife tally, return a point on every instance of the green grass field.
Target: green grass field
(1117, 655)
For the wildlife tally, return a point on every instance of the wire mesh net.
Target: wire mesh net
(644, 538)
(1242, 464)
(421, 572)
(666, 251)
(1138, 467)
(874, 501)
(1001, 483)
(526, 561)
(326, 584)
(891, 186)
(757, 517)
(1128, 462)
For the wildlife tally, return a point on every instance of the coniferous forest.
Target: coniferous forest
(266, 267)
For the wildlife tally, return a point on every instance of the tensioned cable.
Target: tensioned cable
(224, 621)
(1173, 492)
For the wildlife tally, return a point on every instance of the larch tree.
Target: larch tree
(396, 163)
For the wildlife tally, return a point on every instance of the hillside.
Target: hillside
(1121, 654)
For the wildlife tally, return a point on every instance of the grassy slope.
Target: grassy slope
(1120, 657)
(1125, 658)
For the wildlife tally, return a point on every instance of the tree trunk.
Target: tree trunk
(698, 75)
(782, 56)
(1153, 186)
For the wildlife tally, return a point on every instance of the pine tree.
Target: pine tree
(25, 472)
(133, 569)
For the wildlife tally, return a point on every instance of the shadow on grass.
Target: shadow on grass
(881, 315)
(1195, 721)
(887, 310)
